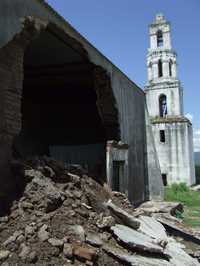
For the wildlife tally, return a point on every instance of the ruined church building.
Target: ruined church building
(61, 97)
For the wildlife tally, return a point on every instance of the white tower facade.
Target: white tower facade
(164, 95)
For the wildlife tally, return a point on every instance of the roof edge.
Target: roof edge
(52, 10)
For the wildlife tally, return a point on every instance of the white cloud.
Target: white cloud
(196, 139)
(189, 116)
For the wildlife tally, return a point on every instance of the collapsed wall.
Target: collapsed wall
(59, 108)
(36, 87)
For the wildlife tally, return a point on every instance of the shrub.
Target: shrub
(179, 215)
(182, 187)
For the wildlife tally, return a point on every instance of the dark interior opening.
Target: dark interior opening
(59, 112)
(162, 136)
(159, 38)
(164, 178)
(160, 69)
(118, 175)
(163, 105)
(170, 68)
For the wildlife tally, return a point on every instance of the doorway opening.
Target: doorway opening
(118, 175)
(164, 178)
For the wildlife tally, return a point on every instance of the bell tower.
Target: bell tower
(163, 72)
(161, 58)
(164, 97)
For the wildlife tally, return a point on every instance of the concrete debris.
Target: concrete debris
(56, 242)
(178, 229)
(29, 230)
(68, 251)
(27, 255)
(74, 178)
(79, 231)
(26, 205)
(48, 172)
(105, 222)
(64, 217)
(43, 234)
(178, 256)
(32, 257)
(32, 173)
(161, 207)
(135, 240)
(94, 240)
(13, 238)
(134, 260)
(195, 188)
(151, 227)
(123, 216)
(86, 206)
(194, 254)
(121, 200)
(25, 251)
(85, 253)
(4, 255)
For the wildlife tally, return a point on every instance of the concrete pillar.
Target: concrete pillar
(165, 69)
(174, 70)
(153, 41)
(155, 70)
(167, 40)
(150, 74)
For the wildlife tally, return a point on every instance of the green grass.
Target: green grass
(190, 200)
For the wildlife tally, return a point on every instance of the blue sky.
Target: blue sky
(119, 29)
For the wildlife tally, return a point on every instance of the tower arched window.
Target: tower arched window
(163, 105)
(170, 68)
(159, 38)
(160, 68)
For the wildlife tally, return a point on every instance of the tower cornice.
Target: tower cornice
(156, 24)
(164, 85)
(170, 120)
(160, 51)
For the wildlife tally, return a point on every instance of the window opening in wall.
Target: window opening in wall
(164, 179)
(159, 38)
(160, 69)
(118, 174)
(170, 68)
(163, 105)
(162, 136)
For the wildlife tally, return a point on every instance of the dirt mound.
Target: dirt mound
(64, 217)
(58, 207)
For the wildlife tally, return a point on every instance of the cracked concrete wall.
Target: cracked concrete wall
(11, 78)
(130, 100)
(155, 187)
(176, 153)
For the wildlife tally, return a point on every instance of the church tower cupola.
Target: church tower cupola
(160, 33)
(161, 59)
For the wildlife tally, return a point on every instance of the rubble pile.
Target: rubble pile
(64, 217)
